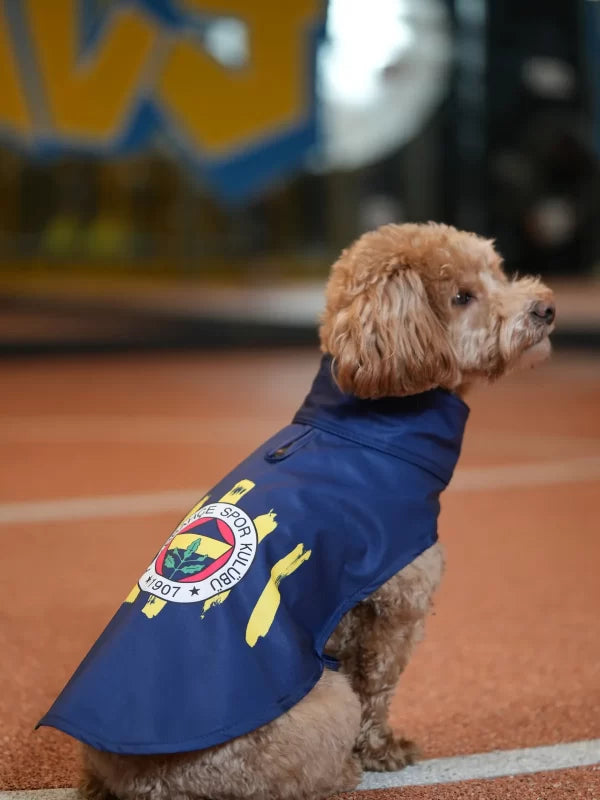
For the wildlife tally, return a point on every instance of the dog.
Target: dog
(415, 315)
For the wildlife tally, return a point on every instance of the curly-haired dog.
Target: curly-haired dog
(415, 314)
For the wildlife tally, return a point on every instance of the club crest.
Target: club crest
(210, 552)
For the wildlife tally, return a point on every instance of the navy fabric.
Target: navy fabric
(228, 625)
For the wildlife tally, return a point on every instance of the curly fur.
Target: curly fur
(393, 329)
(390, 324)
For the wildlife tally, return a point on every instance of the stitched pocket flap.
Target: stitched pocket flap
(292, 439)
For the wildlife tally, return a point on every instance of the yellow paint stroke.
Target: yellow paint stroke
(239, 490)
(215, 600)
(265, 524)
(266, 607)
(153, 607)
(133, 594)
(206, 547)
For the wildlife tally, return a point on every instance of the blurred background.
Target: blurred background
(176, 177)
(181, 172)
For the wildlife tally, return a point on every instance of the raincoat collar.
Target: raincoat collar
(424, 429)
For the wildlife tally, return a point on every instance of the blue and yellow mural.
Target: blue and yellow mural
(228, 84)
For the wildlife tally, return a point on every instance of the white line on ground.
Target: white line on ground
(471, 479)
(535, 438)
(488, 765)
(41, 794)
(543, 473)
(164, 429)
(119, 505)
(71, 429)
(161, 428)
(437, 770)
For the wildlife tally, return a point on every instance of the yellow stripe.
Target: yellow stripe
(153, 607)
(239, 490)
(132, 596)
(266, 607)
(265, 524)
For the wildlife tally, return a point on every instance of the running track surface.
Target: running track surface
(103, 455)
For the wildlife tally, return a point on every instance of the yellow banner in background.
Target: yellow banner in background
(14, 114)
(89, 96)
(269, 95)
(228, 83)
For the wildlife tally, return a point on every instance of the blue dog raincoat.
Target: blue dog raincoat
(226, 628)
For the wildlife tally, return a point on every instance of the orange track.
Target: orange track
(512, 654)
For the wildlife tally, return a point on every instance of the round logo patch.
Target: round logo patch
(210, 552)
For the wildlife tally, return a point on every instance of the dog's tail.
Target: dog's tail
(92, 788)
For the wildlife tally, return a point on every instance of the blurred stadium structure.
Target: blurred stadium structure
(181, 171)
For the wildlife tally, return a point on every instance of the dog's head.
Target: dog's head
(413, 307)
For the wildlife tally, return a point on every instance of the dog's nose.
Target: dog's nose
(544, 312)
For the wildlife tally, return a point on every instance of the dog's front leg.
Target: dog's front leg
(379, 665)
(374, 642)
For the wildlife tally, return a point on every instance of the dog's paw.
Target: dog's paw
(390, 755)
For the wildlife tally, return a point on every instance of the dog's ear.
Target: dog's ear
(387, 340)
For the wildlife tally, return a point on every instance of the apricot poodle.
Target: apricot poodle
(409, 309)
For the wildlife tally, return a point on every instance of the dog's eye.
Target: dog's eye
(462, 298)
